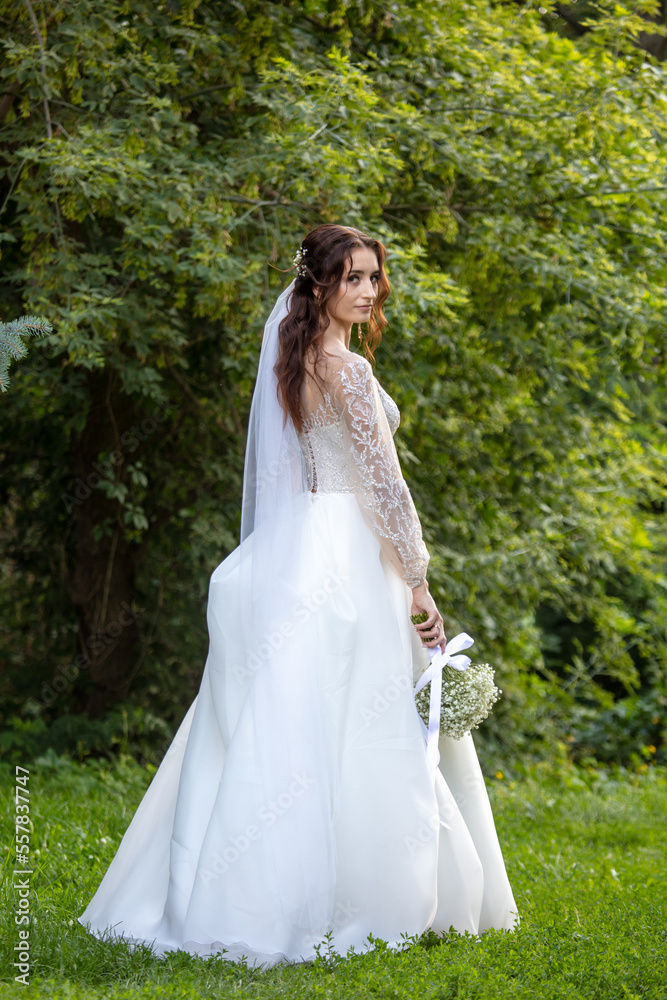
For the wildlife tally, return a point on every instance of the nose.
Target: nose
(370, 291)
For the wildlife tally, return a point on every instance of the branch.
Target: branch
(8, 99)
(565, 198)
(579, 28)
(40, 42)
(511, 114)
(601, 194)
(200, 93)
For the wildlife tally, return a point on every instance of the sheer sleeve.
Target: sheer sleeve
(381, 490)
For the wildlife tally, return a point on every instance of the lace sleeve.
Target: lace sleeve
(382, 491)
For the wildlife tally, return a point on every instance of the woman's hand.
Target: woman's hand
(431, 631)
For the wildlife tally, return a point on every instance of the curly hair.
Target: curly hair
(328, 249)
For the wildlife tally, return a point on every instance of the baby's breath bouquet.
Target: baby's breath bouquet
(468, 693)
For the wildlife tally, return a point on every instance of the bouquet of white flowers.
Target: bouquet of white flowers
(467, 692)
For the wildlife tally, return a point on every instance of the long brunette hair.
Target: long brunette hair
(327, 249)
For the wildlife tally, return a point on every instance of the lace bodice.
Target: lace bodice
(348, 447)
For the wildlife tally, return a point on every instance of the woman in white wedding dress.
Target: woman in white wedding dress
(295, 801)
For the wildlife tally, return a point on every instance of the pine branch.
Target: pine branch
(4, 377)
(12, 347)
(26, 326)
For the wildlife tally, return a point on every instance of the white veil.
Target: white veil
(292, 764)
(272, 474)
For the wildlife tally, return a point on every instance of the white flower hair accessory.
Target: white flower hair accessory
(299, 262)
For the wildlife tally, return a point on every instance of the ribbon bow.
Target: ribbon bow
(452, 657)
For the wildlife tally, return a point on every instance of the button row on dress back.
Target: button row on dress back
(312, 459)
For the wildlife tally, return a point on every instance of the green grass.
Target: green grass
(585, 852)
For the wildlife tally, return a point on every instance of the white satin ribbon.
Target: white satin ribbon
(451, 657)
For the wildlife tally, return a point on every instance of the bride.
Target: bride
(295, 801)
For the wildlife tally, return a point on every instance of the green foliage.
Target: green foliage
(584, 850)
(516, 176)
(128, 729)
(630, 732)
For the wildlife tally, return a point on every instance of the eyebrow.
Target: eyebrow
(359, 270)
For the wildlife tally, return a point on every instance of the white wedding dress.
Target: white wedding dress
(357, 839)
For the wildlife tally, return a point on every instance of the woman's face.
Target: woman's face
(353, 299)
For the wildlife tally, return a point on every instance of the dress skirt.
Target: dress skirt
(356, 839)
